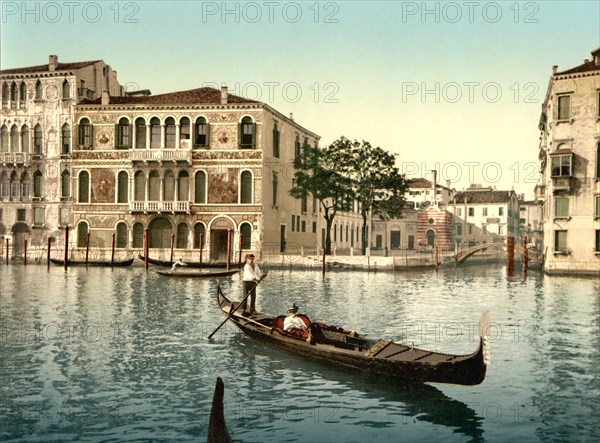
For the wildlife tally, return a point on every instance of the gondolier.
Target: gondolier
(252, 274)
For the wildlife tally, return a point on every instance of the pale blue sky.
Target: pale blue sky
(361, 67)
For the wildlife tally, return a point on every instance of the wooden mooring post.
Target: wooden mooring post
(229, 233)
(66, 261)
(146, 247)
(525, 259)
(510, 256)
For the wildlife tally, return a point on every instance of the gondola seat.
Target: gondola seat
(277, 326)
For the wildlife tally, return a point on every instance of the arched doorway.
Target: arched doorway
(20, 232)
(430, 237)
(160, 233)
(218, 239)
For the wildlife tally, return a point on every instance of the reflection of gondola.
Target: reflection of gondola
(344, 348)
(217, 430)
(154, 261)
(199, 274)
(104, 263)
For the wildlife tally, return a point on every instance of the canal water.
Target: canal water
(121, 355)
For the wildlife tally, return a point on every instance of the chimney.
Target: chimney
(52, 62)
(224, 95)
(291, 116)
(586, 60)
(554, 69)
(105, 98)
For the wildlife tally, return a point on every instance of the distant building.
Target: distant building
(36, 144)
(530, 223)
(421, 193)
(569, 182)
(484, 215)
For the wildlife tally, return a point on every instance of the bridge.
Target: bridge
(464, 254)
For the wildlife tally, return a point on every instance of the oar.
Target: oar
(237, 307)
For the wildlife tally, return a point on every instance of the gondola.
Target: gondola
(199, 274)
(103, 263)
(346, 349)
(166, 263)
(217, 429)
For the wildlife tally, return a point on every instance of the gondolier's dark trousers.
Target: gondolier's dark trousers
(250, 286)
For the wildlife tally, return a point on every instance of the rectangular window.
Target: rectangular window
(597, 246)
(561, 165)
(314, 227)
(63, 216)
(564, 107)
(484, 212)
(4, 189)
(1, 213)
(459, 212)
(303, 226)
(293, 223)
(470, 229)
(276, 137)
(38, 216)
(560, 241)
(561, 207)
(597, 206)
(500, 211)
(458, 229)
(304, 204)
(298, 224)
(275, 186)
(500, 230)
(395, 239)
(21, 215)
(471, 212)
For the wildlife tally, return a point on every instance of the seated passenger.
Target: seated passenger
(292, 321)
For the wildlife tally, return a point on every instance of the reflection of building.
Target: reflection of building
(484, 215)
(569, 184)
(38, 104)
(188, 164)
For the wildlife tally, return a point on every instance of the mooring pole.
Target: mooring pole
(228, 249)
(66, 261)
(25, 252)
(510, 257)
(48, 257)
(6, 250)
(112, 255)
(146, 248)
(87, 248)
(323, 265)
(437, 255)
(524, 263)
(172, 246)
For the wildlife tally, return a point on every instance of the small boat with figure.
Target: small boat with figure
(197, 265)
(99, 263)
(199, 274)
(347, 349)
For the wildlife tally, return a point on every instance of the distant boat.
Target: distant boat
(167, 263)
(103, 263)
(217, 430)
(199, 274)
(345, 348)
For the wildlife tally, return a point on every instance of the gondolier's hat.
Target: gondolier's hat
(294, 308)
(249, 255)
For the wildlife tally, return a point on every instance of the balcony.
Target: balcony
(15, 158)
(562, 183)
(161, 155)
(160, 206)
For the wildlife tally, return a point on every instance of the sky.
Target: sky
(451, 86)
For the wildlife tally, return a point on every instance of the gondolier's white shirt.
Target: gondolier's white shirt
(250, 274)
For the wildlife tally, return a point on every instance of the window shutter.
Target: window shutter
(117, 136)
(91, 136)
(193, 133)
(79, 135)
(130, 138)
(239, 135)
(207, 138)
(254, 135)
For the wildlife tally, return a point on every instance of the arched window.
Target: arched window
(246, 233)
(14, 139)
(247, 133)
(14, 185)
(4, 185)
(183, 186)
(38, 90)
(199, 229)
(246, 187)
(84, 138)
(66, 139)
(82, 232)
(66, 90)
(154, 133)
(25, 139)
(182, 236)
(153, 186)
(169, 186)
(200, 187)
(5, 92)
(4, 145)
(184, 130)
(121, 234)
(25, 181)
(139, 183)
(123, 133)
(23, 92)
(83, 194)
(13, 92)
(65, 184)
(140, 133)
(137, 235)
(37, 140)
(37, 184)
(201, 133)
(170, 133)
(122, 187)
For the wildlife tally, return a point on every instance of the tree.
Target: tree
(377, 183)
(316, 173)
